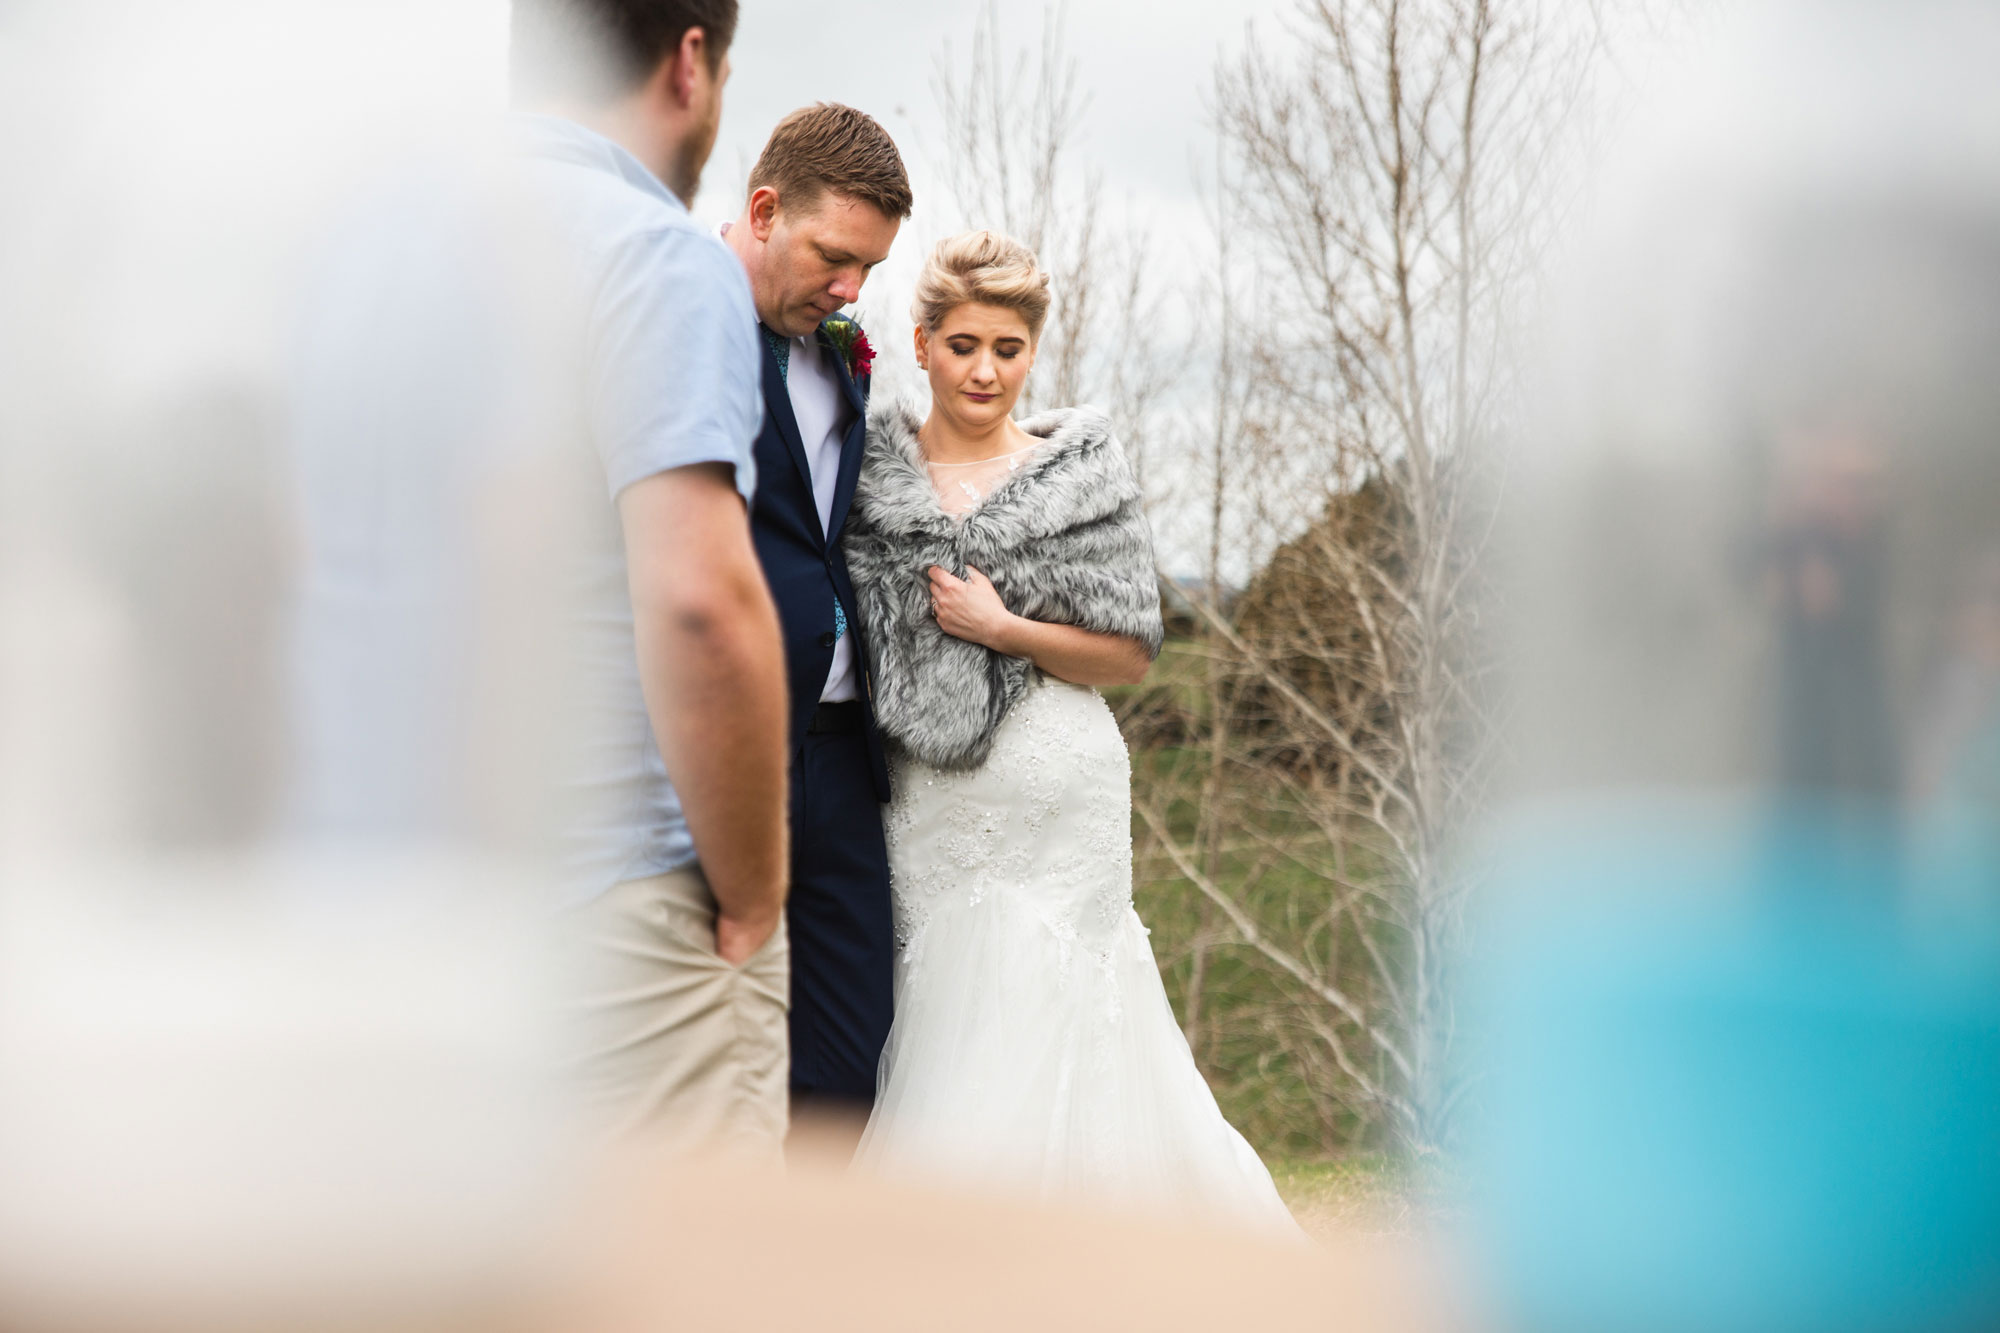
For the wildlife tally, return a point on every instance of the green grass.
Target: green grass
(1274, 1090)
(1270, 1072)
(1364, 1193)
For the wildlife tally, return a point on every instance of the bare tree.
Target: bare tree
(1396, 175)
(1013, 119)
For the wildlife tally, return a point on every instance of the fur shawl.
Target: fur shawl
(1064, 539)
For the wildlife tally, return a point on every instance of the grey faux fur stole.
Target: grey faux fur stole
(1064, 540)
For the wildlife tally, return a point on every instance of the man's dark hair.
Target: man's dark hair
(600, 50)
(833, 147)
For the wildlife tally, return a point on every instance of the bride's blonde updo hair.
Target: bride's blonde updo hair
(986, 267)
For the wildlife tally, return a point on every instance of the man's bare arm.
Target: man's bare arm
(712, 666)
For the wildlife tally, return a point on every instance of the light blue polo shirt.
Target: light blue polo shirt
(548, 311)
(672, 377)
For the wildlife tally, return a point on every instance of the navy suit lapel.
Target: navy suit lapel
(851, 444)
(778, 402)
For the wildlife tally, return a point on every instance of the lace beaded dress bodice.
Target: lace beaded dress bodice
(1059, 847)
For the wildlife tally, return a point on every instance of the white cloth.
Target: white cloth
(819, 403)
(1033, 1047)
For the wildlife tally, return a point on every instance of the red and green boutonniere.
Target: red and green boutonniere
(853, 344)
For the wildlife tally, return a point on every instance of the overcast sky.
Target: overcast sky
(1144, 65)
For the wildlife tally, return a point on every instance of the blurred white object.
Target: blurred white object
(221, 1080)
(226, 1072)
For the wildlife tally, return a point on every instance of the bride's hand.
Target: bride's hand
(970, 608)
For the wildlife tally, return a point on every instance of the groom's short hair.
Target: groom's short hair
(830, 147)
(599, 50)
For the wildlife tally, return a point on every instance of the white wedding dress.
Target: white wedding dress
(1034, 1048)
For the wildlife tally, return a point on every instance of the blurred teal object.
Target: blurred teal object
(1731, 1080)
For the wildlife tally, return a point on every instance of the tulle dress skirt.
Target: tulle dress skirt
(1034, 1048)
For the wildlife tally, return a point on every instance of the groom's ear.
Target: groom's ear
(763, 212)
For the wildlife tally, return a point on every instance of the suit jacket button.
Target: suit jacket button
(828, 639)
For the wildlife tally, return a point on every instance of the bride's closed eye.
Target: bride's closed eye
(1006, 351)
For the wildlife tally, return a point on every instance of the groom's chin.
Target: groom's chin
(799, 323)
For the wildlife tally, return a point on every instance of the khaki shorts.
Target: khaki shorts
(676, 1044)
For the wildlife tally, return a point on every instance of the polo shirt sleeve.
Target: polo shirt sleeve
(675, 368)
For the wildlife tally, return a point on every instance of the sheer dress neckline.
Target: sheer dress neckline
(968, 485)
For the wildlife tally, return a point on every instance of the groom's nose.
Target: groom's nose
(846, 285)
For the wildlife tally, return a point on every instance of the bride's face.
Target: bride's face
(978, 359)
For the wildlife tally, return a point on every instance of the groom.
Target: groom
(827, 197)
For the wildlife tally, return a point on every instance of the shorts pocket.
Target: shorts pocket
(682, 912)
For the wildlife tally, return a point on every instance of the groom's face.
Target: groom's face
(817, 258)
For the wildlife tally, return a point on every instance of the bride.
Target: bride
(1003, 569)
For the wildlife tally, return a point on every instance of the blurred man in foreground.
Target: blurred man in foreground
(679, 880)
(532, 621)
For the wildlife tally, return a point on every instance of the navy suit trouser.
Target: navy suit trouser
(842, 937)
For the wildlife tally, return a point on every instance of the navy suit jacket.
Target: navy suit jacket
(804, 564)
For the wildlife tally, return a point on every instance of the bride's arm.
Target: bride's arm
(970, 609)
(1080, 656)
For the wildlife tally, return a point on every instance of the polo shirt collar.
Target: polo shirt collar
(564, 140)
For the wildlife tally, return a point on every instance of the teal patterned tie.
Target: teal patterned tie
(781, 348)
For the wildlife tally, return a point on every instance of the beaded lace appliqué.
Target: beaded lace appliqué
(1043, 827)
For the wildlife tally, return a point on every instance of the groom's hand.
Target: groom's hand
(737, 938)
